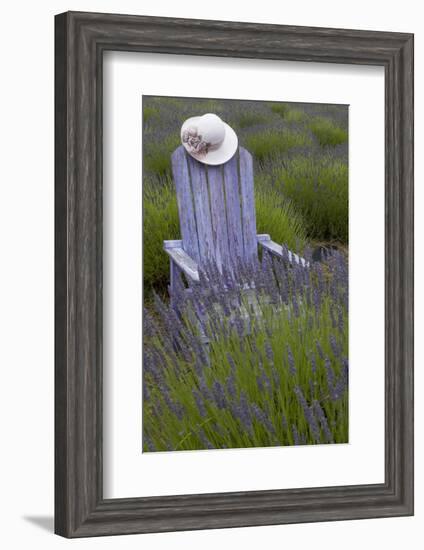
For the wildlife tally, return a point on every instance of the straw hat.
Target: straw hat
(209, 139)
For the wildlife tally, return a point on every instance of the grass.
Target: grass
(318, 188)
(247, 119)
(295, 116)
(268, 143)
(288, 113)
(277, 217)
(327, 133)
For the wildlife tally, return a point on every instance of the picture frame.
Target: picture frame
(80, 41)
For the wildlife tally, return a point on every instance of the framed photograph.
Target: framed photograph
(234, 274)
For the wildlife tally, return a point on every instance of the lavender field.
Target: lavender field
(261, 360)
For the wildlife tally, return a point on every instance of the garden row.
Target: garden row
(225, 368)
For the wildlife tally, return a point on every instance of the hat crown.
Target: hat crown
(209, 139)
(211, 128)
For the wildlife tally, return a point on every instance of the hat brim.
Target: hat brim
(217, 156)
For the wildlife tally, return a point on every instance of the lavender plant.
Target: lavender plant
(254, 356)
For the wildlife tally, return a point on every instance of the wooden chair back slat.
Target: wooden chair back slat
(185, 203)
(219, 216)
(248, 206)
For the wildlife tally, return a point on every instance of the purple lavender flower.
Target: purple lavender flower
(269, 353)
(157, 410)
(330, 376)
(281, 281)
(333, 317)
(309, 415)
(199, 402)
(204, 389)
(242, 411)
(231, 362)
(240, 327)
(295, 435)
(292, 367)
(334, 346)
(323, 421)
(204, 440)
(266, 381)
(313, 362)
(149, 443)
(320, 275)
(298, 277)
(345, 368)
(340, 321)
(319, 349)
(295, 305)
(317, 300)
(342, 382)
(149, 325)
(308, 296)
(146, 393)
(259, 383)
(218, 429)
(174, 407)
(262, 418)
(268, 330)
(276, 377)
(231, 386)
(311, 387)
(307, 254)
(219, 395)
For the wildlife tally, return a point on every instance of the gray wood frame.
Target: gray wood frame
(80, 40)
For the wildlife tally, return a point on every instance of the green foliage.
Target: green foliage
(268, 143)
(160, 222)
(281, 109)
(318, 187)
(295, 116)
(277, 217)
(246, 119)
(327, 133)
(288, 113)
(157, 155)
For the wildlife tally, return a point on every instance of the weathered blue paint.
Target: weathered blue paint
(218, 215)
(200, 194)
(216, 206)
(185, 203)
(233, 210)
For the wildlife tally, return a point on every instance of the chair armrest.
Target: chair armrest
(277, 250)
(181, 259)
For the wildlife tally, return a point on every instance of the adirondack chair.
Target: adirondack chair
(216, 206)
